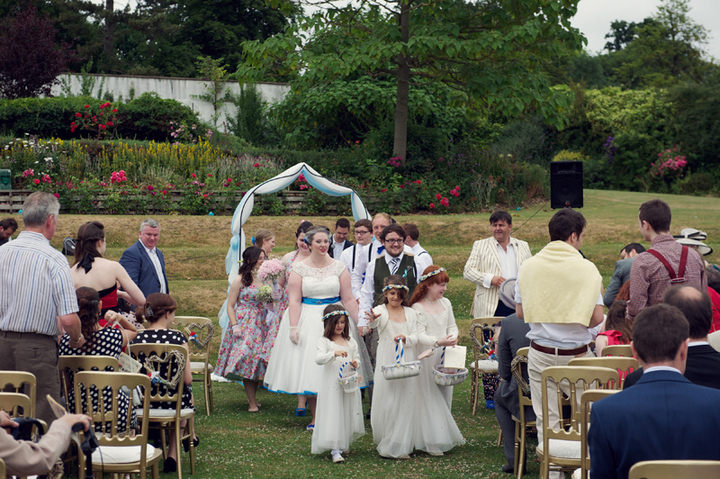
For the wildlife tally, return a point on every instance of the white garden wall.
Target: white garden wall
(185, 90)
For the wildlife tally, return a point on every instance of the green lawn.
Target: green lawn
(274, 442)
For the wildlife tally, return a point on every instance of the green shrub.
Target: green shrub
(148, 117)
(44, 117)
(697, 183)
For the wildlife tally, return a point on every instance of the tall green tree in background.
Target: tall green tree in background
(491, 53)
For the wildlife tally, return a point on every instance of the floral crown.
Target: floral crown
(340, 312)
(431, 274)
(395, 286)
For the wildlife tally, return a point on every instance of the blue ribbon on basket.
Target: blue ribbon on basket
(320, 301)
(341, 369)
(442, 356)
(399, 357)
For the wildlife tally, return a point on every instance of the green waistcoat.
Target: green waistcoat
(382, 271)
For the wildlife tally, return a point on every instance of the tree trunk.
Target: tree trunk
(403, 87)
(108, 36)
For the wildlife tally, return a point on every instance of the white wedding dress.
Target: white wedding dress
(292, 368)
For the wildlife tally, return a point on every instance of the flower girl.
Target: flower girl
(339, 417)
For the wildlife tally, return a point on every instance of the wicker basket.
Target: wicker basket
(401, 369)
(349, 382)
(449, 376)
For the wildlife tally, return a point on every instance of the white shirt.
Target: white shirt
(338, 247)
(357, 276)
(422, 257)
(508, 264)
(361, 258)
(367, 292)
(158, 267)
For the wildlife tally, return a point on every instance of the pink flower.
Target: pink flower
(164, 192)
(36, 181)
(28, 172)
(301, 177)
(193, 175)
(150, 187)
(432, 205)
(102, 183)
(384, 190)
(445, 202)
(438, 196)
(418, 181)
(56, 195)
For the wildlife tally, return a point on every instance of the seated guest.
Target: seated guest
(664, 416)
(512, 337)
(98, 342)
(703, 362)
(618, 329)
(159, 312)
(622, 271)
(26, 457)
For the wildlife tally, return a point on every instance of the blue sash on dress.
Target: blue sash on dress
(320, 301)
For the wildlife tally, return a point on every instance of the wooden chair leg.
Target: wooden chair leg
(207, 396)
(156, 470)
(500, 438)
(208, 381)
(191, 427)
(520, 459)
(474, 392)
(178, 446)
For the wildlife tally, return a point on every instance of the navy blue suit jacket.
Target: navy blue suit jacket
(139, 266)
(664, 416)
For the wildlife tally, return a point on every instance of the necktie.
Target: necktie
(394, 263)
(380, 250)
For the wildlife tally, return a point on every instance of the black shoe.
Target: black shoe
(507, 468)
(186, 443)
(170, 465)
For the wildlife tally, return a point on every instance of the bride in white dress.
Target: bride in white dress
(314, 283)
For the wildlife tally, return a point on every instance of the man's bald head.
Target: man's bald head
(695, 305)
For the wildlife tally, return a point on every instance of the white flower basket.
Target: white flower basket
(401, 369)
(350, 381)
(445, 376)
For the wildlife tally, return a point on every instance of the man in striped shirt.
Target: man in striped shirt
(37, 298)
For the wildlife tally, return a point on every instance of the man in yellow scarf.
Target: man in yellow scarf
(559, 294)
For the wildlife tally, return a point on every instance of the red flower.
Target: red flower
(438, 196)
(402, 186)
(109, 123)
(445, 202)
(102, 127)
(78, 114)
(87, 106)
(256, 165)
(36, 181)
(418, 181)
(114, 110)
(193, 175)
(164, 192)
(383, 190)
(209, 175)
(432, 205)
(150, 187)
(301, 177)
(105, 105)
(56, 195)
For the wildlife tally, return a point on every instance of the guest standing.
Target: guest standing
(144, 262)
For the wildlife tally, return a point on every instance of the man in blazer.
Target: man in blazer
(622, 271)
(144, 262)
(339, 241)
(703, 362)
(491, 262)
(664, 416)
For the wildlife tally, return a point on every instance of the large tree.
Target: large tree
(493, 52)
(30, 56)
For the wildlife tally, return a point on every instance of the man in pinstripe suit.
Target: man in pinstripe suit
(493, 261)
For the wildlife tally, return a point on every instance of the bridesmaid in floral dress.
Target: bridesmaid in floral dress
(251, 333)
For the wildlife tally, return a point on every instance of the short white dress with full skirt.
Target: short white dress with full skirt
(292, 368)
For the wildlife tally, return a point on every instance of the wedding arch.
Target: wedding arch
(275, 184)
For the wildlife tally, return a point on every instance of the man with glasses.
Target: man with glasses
(358, 254)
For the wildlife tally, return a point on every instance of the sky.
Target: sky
(594, 17)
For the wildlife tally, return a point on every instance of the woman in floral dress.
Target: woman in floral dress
(249, 338)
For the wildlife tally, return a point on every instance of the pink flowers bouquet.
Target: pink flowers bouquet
(271, 271)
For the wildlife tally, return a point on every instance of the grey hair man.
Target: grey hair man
(144, 262)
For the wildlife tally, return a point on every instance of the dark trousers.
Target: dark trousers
(37, 354)
(503, 310)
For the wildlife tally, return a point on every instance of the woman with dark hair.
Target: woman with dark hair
(98, 342)
(159, 312)
(249, 338)
(92, 270)
(618, 328)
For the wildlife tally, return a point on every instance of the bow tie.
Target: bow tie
(380, 249)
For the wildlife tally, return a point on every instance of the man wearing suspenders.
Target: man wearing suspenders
(358, 255)
(666, 263)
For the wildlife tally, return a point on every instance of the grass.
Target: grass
(274, 442)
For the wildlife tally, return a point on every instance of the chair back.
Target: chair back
(624, 365)
(482, 333)
(518, 367)
(71, 365)
(168, 361)
(111, 385)
(618, 350)
(687, 469)
(199, 332)
(586, 401)
(21, 382)
(571, 381)
(15, 404)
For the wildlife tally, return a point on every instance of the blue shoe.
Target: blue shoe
(300, 411)
(489, 404)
